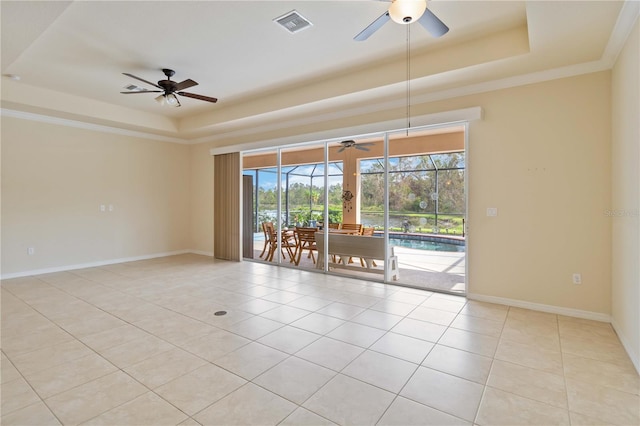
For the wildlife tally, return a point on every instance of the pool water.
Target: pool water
(414, 243)
(425, 245)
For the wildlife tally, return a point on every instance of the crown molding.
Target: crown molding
(624, 25)
(622, 29)
(41, 118)
(473, 89)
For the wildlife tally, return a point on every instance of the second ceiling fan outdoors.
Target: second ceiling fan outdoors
(362, 146)
(406, 12)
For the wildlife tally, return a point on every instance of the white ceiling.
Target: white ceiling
(70, 57)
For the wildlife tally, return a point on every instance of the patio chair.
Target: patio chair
(352, 226)
(287, 242)
(306, 239)
(266, 237)
(367, 232)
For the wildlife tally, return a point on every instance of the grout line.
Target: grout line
(364, 291)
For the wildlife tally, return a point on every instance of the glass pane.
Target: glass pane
(261, 167)
(335, 199)
(303, 192)
(417, 162)
(372, 201)
(426, 202)
(453, 160)
(451, 197)
(267, 195)
(371, 166)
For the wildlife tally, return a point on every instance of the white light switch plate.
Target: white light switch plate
(492, 211)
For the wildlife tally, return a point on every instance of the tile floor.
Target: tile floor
(139, 344)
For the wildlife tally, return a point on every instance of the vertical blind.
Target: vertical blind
(226, 206)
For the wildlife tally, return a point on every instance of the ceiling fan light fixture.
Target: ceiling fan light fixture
(161, 100)
(172, 100)
(407, 11)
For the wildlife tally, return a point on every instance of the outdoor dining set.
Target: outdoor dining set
(293, 242)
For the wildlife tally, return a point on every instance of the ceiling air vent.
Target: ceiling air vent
(293, 22)
(133, 88)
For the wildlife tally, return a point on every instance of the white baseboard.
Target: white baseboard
(631, 351)
(570, 312)
(202, 252)
(94, 264)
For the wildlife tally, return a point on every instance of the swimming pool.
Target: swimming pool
(414, 241)
(426, 242)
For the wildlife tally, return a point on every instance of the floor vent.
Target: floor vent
(293, 22)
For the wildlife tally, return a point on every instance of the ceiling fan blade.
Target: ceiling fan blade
(361, 148)
(342, 149)
(366, 143)
(373, 27)
(200, 97)
(433, 24)
(142, 79)
(186, 84)
(142, 91)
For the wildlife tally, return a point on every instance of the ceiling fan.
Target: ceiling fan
(170, 89)
(406, 12)
(351, 143)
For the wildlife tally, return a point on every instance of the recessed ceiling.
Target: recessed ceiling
(71, 56)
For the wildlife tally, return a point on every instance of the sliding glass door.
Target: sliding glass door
(427, 208)
(379, 207)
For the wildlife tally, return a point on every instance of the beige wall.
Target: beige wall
(541, 155)
(625, 203)
(202, 200)
(54, 179)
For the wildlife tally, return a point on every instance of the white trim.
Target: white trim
(621, 31)
(201, 252)
(465, 220)
(373, 107)
(439, 118)
(87, 126)
(569, 312)
(92, 264)
(515, 81)
(631, 351)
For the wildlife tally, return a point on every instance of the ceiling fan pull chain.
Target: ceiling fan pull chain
(408, 78)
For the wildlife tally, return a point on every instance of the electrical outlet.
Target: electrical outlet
(31, 251)
(577, 278)
(492, 211)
